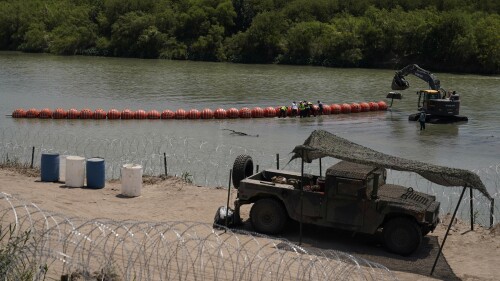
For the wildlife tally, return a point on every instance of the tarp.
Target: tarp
(322, 144)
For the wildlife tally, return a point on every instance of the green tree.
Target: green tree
(488, 43)
(263, 41)
(36, 39)
(302, 41)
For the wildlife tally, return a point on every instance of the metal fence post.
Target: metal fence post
(471, 210)
(32, 157)
(492, 211)
(165, 162)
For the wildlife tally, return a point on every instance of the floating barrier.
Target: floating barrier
(192, 114)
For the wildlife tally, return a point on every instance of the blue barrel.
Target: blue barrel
(50, 167)
(95, 173)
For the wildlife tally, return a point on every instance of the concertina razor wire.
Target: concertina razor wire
(60, 247)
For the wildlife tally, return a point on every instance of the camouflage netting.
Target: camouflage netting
(321, 144)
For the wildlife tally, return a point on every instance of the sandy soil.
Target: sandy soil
(472, 255)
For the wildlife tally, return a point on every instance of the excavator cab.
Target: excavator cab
(433, 102)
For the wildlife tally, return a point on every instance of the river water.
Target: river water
(40, 80)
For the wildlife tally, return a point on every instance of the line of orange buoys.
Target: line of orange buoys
(220, 113)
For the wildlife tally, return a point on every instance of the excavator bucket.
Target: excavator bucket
(399, 83)
(394, 96)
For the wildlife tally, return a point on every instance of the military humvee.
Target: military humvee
(351, 197)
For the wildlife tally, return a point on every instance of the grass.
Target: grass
(15, 263)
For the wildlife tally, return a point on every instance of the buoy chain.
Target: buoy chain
(207, 113)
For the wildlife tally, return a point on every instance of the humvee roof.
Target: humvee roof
(350, 170)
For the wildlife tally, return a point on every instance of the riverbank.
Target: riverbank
(472, 255)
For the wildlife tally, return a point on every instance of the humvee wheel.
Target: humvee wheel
(242, 168)
(402, 236)
(268, 216)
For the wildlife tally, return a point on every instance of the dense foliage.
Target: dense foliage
(445, 35)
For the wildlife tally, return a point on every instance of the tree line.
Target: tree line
(441, 35)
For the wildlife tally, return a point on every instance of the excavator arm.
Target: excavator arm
(399, 82)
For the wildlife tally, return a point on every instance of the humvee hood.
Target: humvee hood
(401, 194)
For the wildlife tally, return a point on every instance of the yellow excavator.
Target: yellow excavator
(439, 105)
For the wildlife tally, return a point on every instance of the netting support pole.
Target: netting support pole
(448, 230)
(257, 169)
(301, 195)
(228, 196)
(165, 162)
(471, 203)
(492, 211)
(32, 157)
(320, 168)
(277, 161)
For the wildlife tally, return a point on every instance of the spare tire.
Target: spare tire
(242, 168)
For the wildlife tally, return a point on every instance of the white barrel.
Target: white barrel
(62, 168)
(75, 171)
(131, 180)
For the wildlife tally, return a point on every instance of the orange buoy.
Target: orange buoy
(355, 107)
(99, 114)
(270, 112)
(315, 109)
(154, 114)
(45, 113)
(32, 113)
(180, 114)
(167, 114)
(19, 113)
(59, 113)
(140, 114)
(382, 105)
(233, 113)
(127, 114)
(345, 108)
(245, 112)
(194, 114)
(373, 106)
(86, 114)
(207, 113)
(73, 113)
(221, 113)
(113, 114)
(364, 107)
(335, 108)
(326, 109)
(257, 112)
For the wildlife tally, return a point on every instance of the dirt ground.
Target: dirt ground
(468, 255)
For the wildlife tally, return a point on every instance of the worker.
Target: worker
(320, 105)
(421, 119)
(295, 109)
(309, 108)
(283, 110)
(302, 108)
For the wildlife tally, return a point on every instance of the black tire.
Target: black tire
(402, 236)
(268, 216)
(242, 168)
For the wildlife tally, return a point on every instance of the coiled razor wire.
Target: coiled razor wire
(101, 249)
(208, 164)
